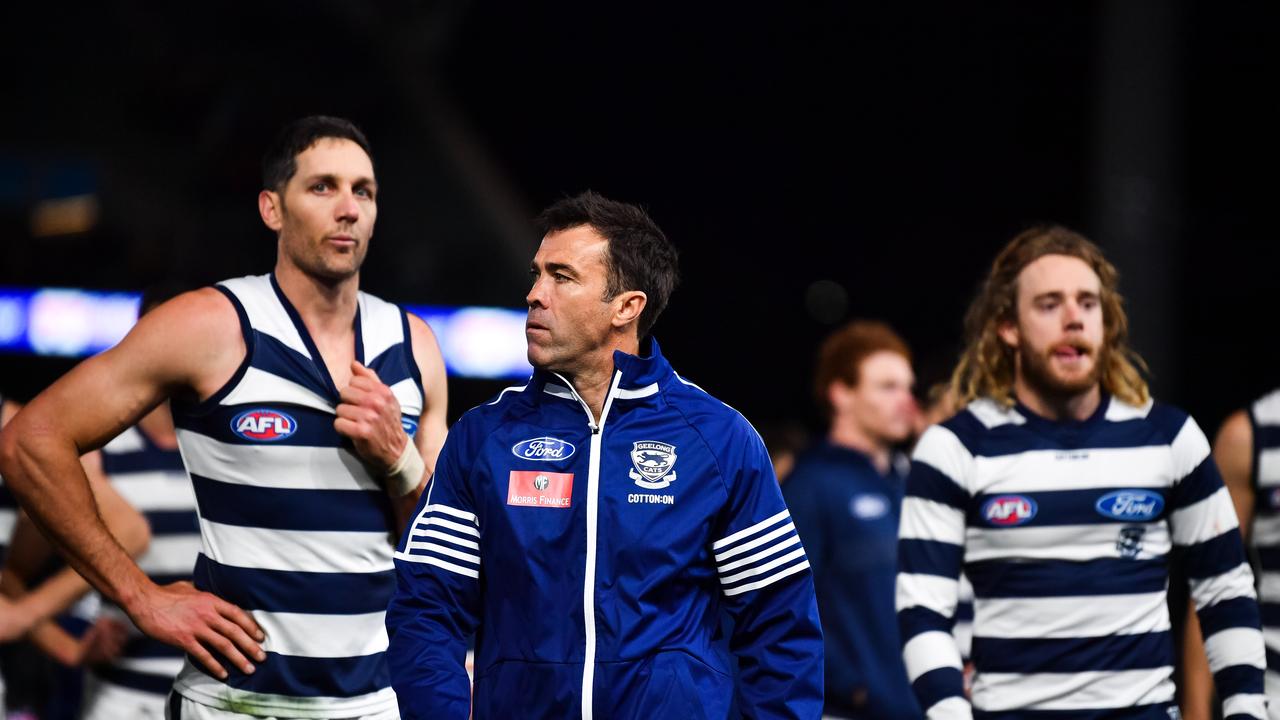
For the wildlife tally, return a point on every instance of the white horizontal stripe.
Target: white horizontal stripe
(1269, 585)
(407, 394)
(993, 415)
(166, 666)
(762, 540)
(559, 391)
(995, 692)
(952, 708)
(297, 550)
(263, 308)
(933, 592)
(1266, 409)
(1119, 410)
(381, 325)
(441, 522)
(1271, 636)
(261, 387)
(171, 554)
(448, 538)
(204, 689)
(1069, 617)
(1189, 448)
(461, 514)
(1234, 583)
(1060, 542)
(1048, 470)
(1254, 706)
(288, 467)
(1266, 531)
(636, 393)
(1269, 467)
(129, 441)
(1271, 685)
(8, 518)
(942, 450)
(749, 531)
(429, 560)
(760, 555)
(156, 491)
(434, 547)
(930, 651)
(323, 636)
(1235, 646)
(762, 569)
(928, 520)
(1204, 520)
(963, 632)
(730, 592)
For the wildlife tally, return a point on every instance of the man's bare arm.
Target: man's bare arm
(190, 344)
(1233, 453)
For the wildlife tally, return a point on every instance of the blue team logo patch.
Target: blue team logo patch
(544, 449)
(1130, 505)
(1009, 510)
(410, 426)
(263, 425)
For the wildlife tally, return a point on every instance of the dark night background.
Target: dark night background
(888, 149)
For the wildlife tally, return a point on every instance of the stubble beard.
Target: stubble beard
(1037, 370)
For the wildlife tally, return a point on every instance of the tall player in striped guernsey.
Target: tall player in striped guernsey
(308, 414)
(1061, 489)
(1247, 449)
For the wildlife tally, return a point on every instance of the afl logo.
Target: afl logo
(543, 448)
(1130, 505)
(1009, 510)
(264, 425)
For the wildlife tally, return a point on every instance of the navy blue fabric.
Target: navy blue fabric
(1158, 711)
(1139, 651)
(854, 558)
(1064, 578)
(292, 591)
(289, 509)
(658, 598)
(311, 677)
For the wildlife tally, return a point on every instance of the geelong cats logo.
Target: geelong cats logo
(653, 463)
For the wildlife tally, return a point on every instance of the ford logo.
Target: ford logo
(1009, 510)
(264, 425)
(543, 448)
(1130, 505)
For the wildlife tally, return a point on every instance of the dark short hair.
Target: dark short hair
(639, 255)
(281, 159)
(841, 355)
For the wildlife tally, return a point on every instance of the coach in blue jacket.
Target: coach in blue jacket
(590, 526)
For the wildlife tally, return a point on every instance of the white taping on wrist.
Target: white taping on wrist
(406, 472)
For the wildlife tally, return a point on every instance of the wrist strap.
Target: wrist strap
(406, 472)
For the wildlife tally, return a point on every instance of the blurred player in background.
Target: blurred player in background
(1061, 489)
(1247, 450)
(845, 495)
(308, 413)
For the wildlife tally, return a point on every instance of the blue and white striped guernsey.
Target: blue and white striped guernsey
(1264, 416)
(294, 527)
(153, 481)
(1065, 530)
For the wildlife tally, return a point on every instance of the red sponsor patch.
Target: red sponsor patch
(532, 488)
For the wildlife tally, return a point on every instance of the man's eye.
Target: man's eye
(364, 192)
(561, 277)
(319, 187)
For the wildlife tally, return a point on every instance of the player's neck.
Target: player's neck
(327, 307)
(845, 432)
(1058, 407)
(157, 425)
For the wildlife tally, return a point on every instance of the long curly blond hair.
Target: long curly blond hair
(987, 366)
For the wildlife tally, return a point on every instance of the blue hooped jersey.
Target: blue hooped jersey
(294, 527)
(593, 560)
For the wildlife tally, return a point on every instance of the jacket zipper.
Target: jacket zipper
(593, 496)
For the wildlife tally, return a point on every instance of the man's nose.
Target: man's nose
(348, 209)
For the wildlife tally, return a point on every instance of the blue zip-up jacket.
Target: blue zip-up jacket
(593, 561)
(847, 515)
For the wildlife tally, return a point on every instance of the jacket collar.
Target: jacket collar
(642, 375)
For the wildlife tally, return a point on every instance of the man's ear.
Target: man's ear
(270, 208)
(1008, 332)
(627, 307)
